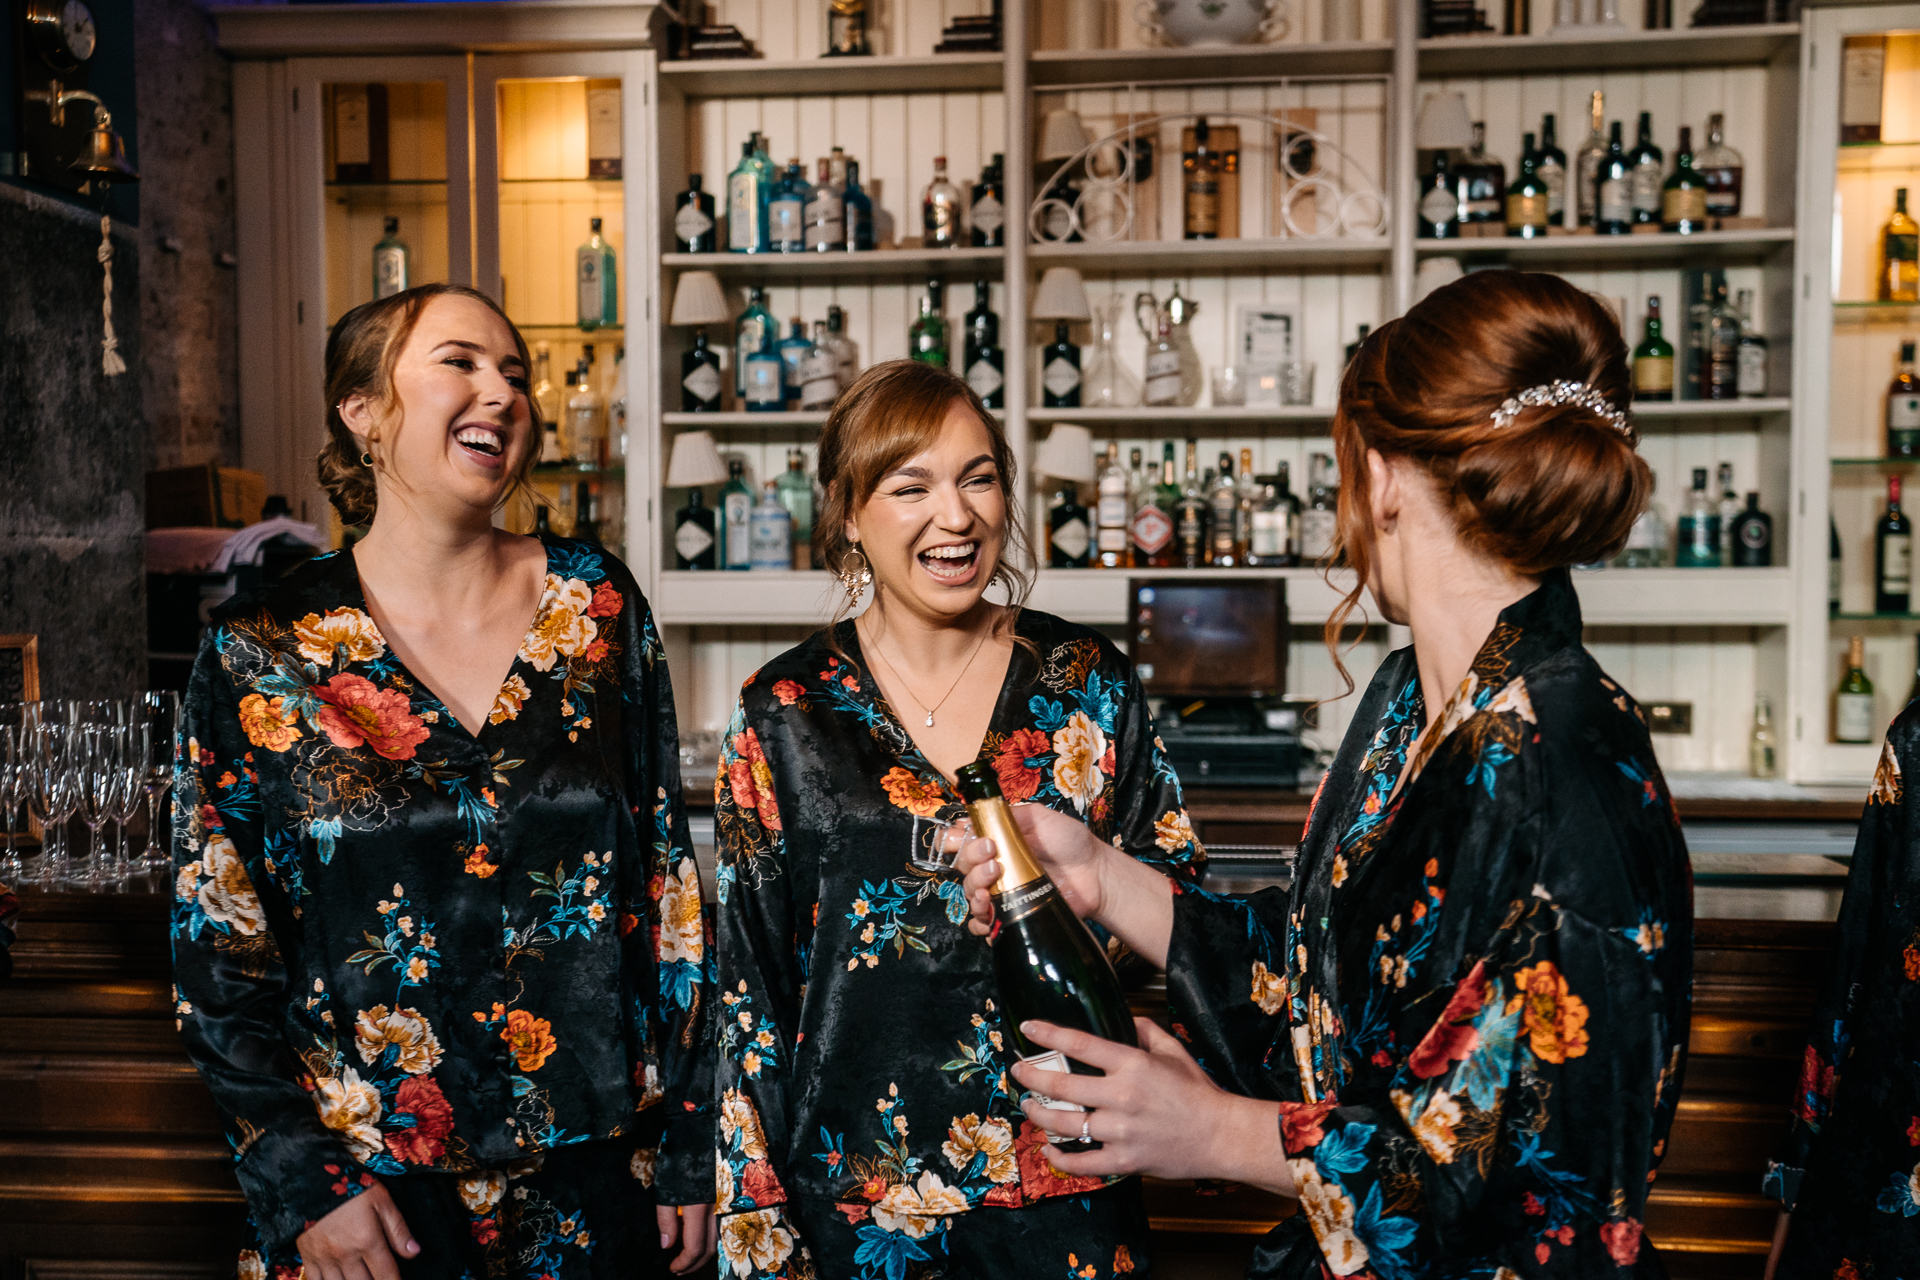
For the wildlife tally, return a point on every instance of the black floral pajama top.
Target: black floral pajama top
(1473, 1005)
(862, 1060)
(403, 946)
(1850, 1166)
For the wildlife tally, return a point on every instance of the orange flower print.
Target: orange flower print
(914, 794)
(1846, 1270)
(477, 863)
(788, 691)
(268, 723)
(1122, 1260)
(1555, 1019)
(752, 779)
(1017, 781)
(507, 703)
(1910, 958)
(530, 1038)
(358, 713)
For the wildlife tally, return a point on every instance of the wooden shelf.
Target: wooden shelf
(880, 264)
(759, 78)
(1611, 51)
(1064, 68)
(1290, 253)
(1664, 247)
(467, 26)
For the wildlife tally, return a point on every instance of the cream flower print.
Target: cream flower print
(1079, 746)
(642, 1164)
(756, 1241)
(737, 1115)
(1269, 989)
(252, 1266)
(507, 703)
(1886, 778)
(1173, 831)
(682, 929)
(1329, 1212)
(226, 894)
(561, 628)
(722, 1183)
(347, 631)
(351, 1108)
(971, 1137)
(1514, 700)
(482, 1191)
(915, 1210)
(404, 1030)
(1435, 1127)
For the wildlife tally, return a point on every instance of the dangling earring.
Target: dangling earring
(366, 459)
(855, 574)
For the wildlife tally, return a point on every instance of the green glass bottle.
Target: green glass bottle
(1527, 206)
(927, 335)
(1653, 359)
(1683, 201)
(1853, 700)
(1045, 960)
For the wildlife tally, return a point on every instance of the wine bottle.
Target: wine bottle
(1893, 555)
(693, 218)
(1903, 407)
(1045, 960)
(1853, 700)
(1833, 566)
(858, 211)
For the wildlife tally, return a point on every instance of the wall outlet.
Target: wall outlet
(1669, 717)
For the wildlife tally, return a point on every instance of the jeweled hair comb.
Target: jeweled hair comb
(1564, 391)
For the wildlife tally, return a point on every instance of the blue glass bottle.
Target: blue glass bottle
(795, 349)
(754, 333)
(746, 204)
(859, 211)
(787, 211)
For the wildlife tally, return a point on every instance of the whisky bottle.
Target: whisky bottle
(1200, 188)
(1853, 700)
(1724, 172)
(1646, 166)
(1683, 200)
(390, 274)
(693, 219)
(1900, 254)
(1550, 164)
(1111, 515)
(1653, 359)
(1527, 197)
(1903, 407)
(1893, 556)
(1586, 162)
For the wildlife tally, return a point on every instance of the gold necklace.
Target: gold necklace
(956, 680)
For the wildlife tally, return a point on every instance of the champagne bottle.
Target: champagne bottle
(1046, 962)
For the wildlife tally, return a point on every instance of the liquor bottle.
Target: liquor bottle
(753, 333)
(1153, 514)
(1439, 207)
(846, 354)
(1353, 348)
(837, 169)
(1721, 167)
(1247, 486)
(586, 521)
(1613, 189)
(984, 361)
(599, 294)
(795, 350)
(693, 218)
(1697, 537)
(1550, 164)
(987, 212)
(1683, 200)
(1046, 963)
(1729, 510)
(826, 214)
(770, 532)
(1200, 188)
(1069, 541)
(1223, 517)
(1720, 370)
(1833, 566)
(819, 373)
(1762, 761)
(1750, 356)
(546, 397)
(1587, 161)
(390, 274)
(1903, 407)
(1267, 532)
(927, 335)
(700, 377)
(1282, 477)
(1111, 515)
(1527, 197)
(1481, 181)
(1139, 485)
(940, 210)
(1753, 536)
(586, 423)
(795, 489)
(1318, 523)
(858, 208)
(1853, 700)
(847, 29)
(553, 443)
(693, 539)
(747, 204)
(736, 518)
(766, 379)
(360, 133)
(787, 210)
(1893, 556)
(1900, 254)
(1646, 540)
(1060, 371)
(1190, 515)
(1653, 359)
(1646, 166)
(1163, 365)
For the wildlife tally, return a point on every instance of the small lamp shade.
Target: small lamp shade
(1062, 296)
(1444, 122)
(695, 461)
(1062, 134)
(1066, 454)
(697, 300)
(1435, 273)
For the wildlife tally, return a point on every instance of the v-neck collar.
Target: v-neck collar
(354, 591)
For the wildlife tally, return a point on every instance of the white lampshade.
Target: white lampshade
(697, 299)
(1433, 273)
(1062, 134)
(1062, 296)
(1066, 453)
(695, 461)
(1444, 122)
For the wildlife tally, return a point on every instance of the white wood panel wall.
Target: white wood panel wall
(1302, 22)
(786, 30)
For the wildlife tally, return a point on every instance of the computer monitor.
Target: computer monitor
(1210, 637)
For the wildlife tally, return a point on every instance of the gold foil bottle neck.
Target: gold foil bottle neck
(993, 819)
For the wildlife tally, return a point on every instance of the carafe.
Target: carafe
(1106, 383)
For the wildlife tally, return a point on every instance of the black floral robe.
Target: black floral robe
(862, 1060)
(1850, 1166)
(399, 946)
(1473, 1006)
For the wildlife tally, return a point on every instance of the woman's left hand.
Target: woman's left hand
(1154, 1112)
(691, 1227)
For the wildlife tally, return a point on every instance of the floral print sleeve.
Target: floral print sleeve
(1147, 817)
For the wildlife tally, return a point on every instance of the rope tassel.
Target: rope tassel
(110, 362)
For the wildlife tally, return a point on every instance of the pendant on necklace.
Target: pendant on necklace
(929, 719)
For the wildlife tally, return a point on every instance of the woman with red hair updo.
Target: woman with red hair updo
(1457, 1039)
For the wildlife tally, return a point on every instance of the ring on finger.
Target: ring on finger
(1086, 1127)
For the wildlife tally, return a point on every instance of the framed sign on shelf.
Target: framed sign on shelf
(19, 668)
(1263, 342)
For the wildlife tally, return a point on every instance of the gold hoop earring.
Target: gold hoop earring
(856, 574)
(366, 459)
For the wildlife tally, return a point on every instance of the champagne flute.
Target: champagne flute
(55, 793)
(129, 774)
(160, 710)
(94, 774)
(13, 775)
